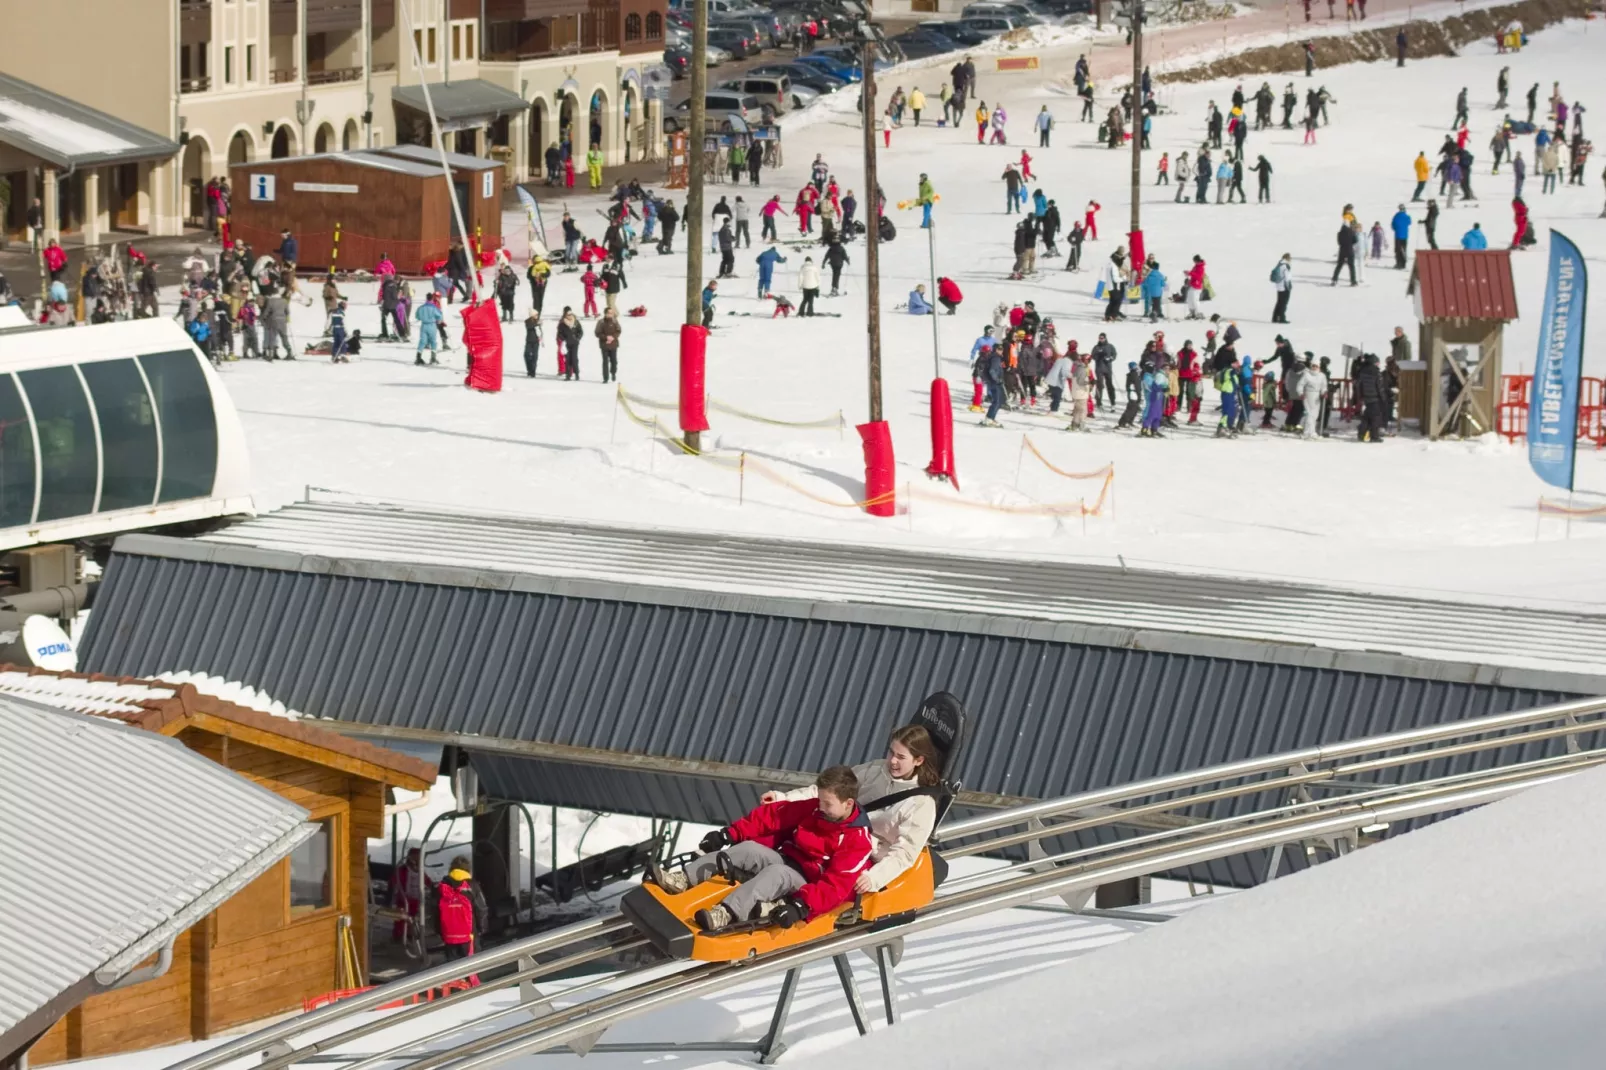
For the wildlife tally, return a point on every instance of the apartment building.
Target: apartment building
(239, 80)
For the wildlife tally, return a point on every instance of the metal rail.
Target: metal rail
(1294, 816)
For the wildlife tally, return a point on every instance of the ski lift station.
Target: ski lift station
(113, 428)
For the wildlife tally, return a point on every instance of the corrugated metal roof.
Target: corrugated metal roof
(104, 851)
(1101, 604)
(69, 134)
(1465, 284)
(726, 688)
(466, 98)
(459, 160)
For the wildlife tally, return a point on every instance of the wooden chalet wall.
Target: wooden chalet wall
(250, 958)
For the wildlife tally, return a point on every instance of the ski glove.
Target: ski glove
(714, 841)
(789, 912)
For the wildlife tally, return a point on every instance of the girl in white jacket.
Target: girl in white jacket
(903, 829)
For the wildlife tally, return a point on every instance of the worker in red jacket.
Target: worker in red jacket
(948, 294)
(1519, 211)
(794, 859)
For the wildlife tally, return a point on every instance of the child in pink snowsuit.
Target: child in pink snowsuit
(589, 281)
(1026, 165)
(1090, 223)
(568, 173)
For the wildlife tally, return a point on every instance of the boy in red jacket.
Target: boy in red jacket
(589, 281)
(794, 859)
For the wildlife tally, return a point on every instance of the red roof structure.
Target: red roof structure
(1461, 284)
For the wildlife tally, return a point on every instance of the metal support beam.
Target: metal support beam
(844, 970)
(772, 1047)
(1075, 900)
(889, 982)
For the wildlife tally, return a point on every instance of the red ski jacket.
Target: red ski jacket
(830, 855)
(948, 290)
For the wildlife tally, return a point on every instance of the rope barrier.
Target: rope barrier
(1562, 509)
(1097, 473)
(743, 464)
(836, 421)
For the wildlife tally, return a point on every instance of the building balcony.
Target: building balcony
(574, 48)
(194, 85)
(334, 76)
(281, 75)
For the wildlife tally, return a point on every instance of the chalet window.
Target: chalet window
(312, 870)
(632, 27)
(655, 26)
(457, 42)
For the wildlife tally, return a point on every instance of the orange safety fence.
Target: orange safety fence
(836, 420)
(428, 995)
(361, 251)
(1563, 509)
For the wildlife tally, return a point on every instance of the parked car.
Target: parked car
(805, 75)
(847, 56)
(717, 57)
(738, 42)
(719, 107)
(678, 59)
(772, 91)
(1020, 13)
(759, 28)
(989, 25)
(919, 44)
(962, 36)
(832, 65)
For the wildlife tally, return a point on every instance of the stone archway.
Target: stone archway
(284, 142)
(324, 140)
(242, 149)
(568, 115)
(599, 123)
(631, 117)
(197, 168)
(541, 137)
(349, 137)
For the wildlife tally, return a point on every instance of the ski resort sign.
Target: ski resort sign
(1553, 403)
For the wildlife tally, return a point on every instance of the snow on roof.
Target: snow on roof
(67, 133)
(117, 697)
(1472, 943)
(105, 857)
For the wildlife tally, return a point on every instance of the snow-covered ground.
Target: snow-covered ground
(1473, 943)
(1447, 517)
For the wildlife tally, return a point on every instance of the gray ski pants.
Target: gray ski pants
(764, 874)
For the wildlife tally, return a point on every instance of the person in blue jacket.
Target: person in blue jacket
(1154, 387)
(1039, 204)
(918, 304)
(709, 293)
(1246, 390)
(992, 368)
(1474, 238)
(429, 318)
(766, 269)
(1227, 384)
(1401, 225)
(1154, 292)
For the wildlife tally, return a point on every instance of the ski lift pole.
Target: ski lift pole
(931, 252)
(435, 131)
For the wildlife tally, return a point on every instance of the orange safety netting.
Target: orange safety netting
(1563, 509)
(1097, 473)
(362, 251)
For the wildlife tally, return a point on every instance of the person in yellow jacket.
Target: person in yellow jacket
(1423, 170)
(594, 167)
(982, 115)
(917, 103)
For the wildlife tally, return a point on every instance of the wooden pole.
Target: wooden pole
(693, 217)
(872, 231)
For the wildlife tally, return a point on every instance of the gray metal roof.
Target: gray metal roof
(69, 134)
(115, 840)
(469, 98)
(744, 688)
(1096, 603)
(376, 159)
(430, 156)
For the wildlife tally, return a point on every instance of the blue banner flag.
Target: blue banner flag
(1553, 403)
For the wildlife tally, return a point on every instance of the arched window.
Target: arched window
(632, 27)
(655, 26)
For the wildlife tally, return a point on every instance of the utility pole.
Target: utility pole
(872, 230)
(693, 217)
(1138, 116)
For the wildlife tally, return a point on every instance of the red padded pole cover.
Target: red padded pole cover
(693, 377)
(942, 433)
(880, 469)
(482, 337)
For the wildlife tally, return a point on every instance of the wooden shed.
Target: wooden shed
(479, 187)
(1463, 299)
(379, 203)
(278, 940)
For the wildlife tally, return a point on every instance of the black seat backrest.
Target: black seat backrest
(943, 717)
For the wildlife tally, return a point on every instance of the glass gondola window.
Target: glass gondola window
(69, 454)
(189, 427)
(16, 457)
(127, 433)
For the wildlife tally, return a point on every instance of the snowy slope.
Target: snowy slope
(1448, 517)
(1475, 943)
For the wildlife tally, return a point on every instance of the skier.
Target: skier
(1430, 223)
(1282, 279)
(429, 320)
(1134, 396)
(1202, 173)
(532, 342)
(835, 258)
(808, 280)
(1423, 171)
(1262, 170)
(766, 268)
(1090, 223)
(1474, 239)
(1347, 241)
(925, 198)
(1103, 358)
(1074, 240)
(1114, 281)
(992, 368)
(668, 217)
(1154, 292)
(1045, 123)
(1000, 117)
(1194, 286)
(1519, 171)
(1401, 225)
(1399, 47)
(1154, 387)
(1368, 386)
(948, 294)
(607, 333)
(1227, 384)
(1290, 102)
(1312, 392)
(1049, 227)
